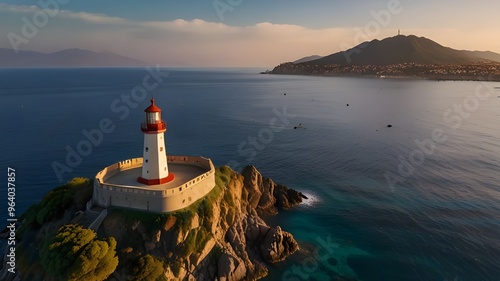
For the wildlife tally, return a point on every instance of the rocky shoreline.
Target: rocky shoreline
(222, 237)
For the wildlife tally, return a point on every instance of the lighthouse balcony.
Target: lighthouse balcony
(158, 127)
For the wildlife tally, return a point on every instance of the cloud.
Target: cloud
(19, 9)
(92, 18)
(191, 43)
(87, 17)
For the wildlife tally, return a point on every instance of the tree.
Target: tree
(74, 253)
(149, 268)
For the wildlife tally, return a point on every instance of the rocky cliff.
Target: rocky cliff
(221, 236)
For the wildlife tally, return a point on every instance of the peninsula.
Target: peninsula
(401, 57)
(221, 236)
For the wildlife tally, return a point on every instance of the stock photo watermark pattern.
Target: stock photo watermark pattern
(255, 143)
(31, 26)
(453, 117)
(121, 106)
(311, 265)
(373, 28)
(223, 6)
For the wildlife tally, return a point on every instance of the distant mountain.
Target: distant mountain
(64, 58)
(306, 59)
(404, 49)
(401, 56)
(485, 55)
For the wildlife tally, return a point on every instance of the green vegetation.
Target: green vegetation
(74, 253)
(223, 175)
(39, 224)
(206, 212)
(56, 202)
(176, 268)
(149, 268)
(195, 241)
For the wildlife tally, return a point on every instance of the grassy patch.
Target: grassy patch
(195, 241)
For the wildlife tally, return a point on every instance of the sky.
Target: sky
(240, 33)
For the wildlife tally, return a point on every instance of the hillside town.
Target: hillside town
(483, 71)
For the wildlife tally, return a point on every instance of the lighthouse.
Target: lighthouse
(147, 183)
(155, 166)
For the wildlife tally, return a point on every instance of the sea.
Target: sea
(402, 175)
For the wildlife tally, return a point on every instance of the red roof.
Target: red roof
(153, 107)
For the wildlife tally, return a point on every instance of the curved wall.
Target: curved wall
(153, 200)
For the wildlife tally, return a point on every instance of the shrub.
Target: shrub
(149, 268)
(53, 204)
(74, 253)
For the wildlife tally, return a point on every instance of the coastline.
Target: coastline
(402, 77)
(434, 72)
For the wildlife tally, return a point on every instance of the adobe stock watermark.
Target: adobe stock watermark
(453, 117)
(255, 143)
(94, 137)
(223, 6)
(40, 19)
(381, 19)
(310, 265)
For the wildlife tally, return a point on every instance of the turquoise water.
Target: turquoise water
(441, 221)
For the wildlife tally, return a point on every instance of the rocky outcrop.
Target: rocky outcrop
(277, 245)
(266, 196)
(287, 198)
(220, 237)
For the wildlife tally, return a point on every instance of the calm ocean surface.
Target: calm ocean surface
(441, 221)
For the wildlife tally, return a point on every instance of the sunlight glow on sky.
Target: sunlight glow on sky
(244, 32)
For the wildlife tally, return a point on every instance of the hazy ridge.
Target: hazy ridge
(64, 58)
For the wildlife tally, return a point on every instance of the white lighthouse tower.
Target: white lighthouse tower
(154, 168)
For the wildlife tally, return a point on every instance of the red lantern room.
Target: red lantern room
(153, 124)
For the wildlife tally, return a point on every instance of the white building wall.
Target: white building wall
(156, 201)
(155, 157)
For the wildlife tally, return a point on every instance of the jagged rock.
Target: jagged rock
(170, 223)
(278, 245)
(256, 230)
(230, 268)
(264, 195)
(195, 222)
(156, 236)
(253, 183)
(287, 198)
